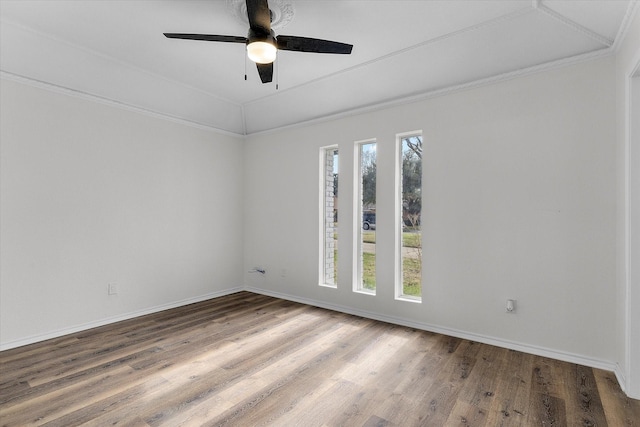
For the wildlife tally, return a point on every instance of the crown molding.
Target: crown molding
(112, 103)
(602, 53)
(574, 25)
(422, 96)
(632, 9)
(243, 128)
(109, 58)
(124, 66)
(434, 40)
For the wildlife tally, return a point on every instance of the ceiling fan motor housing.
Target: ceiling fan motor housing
(261, 42)
(259, 35)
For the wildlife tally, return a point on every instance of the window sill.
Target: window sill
(408, 298)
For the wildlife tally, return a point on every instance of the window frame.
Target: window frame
(399, 220)
(358, 254)
(323, 208)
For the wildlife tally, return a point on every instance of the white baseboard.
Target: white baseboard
(485, 339)
(102, 322)
(526, 348)
(621, 377)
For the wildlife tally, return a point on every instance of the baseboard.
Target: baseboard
(621, 377)
(485, 339)
(102, 322)
(526, 348)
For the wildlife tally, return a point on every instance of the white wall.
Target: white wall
(628, 196)
(519, 203)
(93, 194)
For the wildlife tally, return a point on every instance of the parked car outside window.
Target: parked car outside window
(369, 221)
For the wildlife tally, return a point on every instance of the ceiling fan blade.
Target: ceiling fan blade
(207, 37)
(259, 15)
(307, 44)
(266, 72)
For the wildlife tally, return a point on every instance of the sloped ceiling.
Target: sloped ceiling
(115, 51)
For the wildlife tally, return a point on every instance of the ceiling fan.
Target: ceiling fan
(262, 43)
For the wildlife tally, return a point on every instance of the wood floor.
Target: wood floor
(247, 360)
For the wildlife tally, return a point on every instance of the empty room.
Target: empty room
(319, 213)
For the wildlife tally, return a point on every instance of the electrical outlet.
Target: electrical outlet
(511, 306)
(113, 289)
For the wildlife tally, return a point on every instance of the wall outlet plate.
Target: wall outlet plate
(113, 289)
(511, 305)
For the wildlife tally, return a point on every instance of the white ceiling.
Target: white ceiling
(115, 50)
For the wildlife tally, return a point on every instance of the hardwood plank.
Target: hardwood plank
(619, 409)
(585, 408)
(309, 363)
(442, 394)
(547, 405)
(510, 406)
(15, 397)
(61, 401)
(375, 421)
(402, 410)
(133, 336)
(476, 398)
(547, 410)
(249, 359)
(268, 369)
(207, 375)
(128, 398)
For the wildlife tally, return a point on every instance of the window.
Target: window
(365, 254)
(409, 282)
(329, 216)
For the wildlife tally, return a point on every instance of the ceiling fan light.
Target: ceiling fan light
(261, 52)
